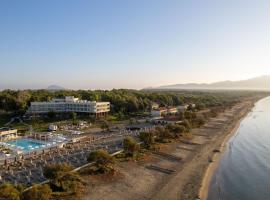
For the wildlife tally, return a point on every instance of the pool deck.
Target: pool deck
(28, 167)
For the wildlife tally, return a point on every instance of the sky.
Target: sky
(87, 44)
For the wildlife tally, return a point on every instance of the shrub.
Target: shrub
(176, 129)
(9, 192)
(62, 178)
(187, 125)
(38, 192)
(163, 134)
(104, 162)
(105, 125)
(147, 138)
(131, 147)
(53, 171)
(71, 182)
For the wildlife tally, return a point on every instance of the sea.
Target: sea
(244, 169)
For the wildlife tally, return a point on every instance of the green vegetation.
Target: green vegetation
(54, 171)
(105, 125)
(63, 179)
(9, 192)
(38, 192)
(177, 130)
(103, 162)
(63, 182)
(131, 147)
(165, 134)
(148, 138)
(124, 102)
(73, 116)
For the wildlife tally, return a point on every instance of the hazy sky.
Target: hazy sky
(131, 43)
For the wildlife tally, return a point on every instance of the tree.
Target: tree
(105, 125)
(104, 162)
(53, 171)
(71, 182)
(187, 125)
(62, 178)
(147, 138)
(51, 114)
(73, 116)
(131, 147)
(199, 121)
(176, 129)
(9, 192)
(188, 115)
(38, 192)
(23, 98)
(163, 134)
(132, 121)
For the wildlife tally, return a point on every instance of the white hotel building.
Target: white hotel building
(69, 104)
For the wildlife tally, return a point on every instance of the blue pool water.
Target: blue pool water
(27, 145)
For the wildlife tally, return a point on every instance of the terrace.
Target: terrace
(27, 168)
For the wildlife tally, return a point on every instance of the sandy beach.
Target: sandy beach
(213, 165)
(181, 171)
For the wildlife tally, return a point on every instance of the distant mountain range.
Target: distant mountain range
(258, 83)
(55, 88)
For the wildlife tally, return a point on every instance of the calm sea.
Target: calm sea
(244, 170)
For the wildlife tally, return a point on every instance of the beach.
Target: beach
(203, 192)
(191, 164)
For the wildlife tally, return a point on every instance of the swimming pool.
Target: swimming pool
(27, 145)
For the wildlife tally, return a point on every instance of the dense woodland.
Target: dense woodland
(123, 101)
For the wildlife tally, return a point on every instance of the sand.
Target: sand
(213, 166)
(191, 176)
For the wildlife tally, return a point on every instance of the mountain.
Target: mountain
(258, 83)
(55, 88)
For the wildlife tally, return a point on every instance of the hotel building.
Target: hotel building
(69, 104)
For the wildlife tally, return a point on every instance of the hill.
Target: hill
(55, 88)
(258, 83)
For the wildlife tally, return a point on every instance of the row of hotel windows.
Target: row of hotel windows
(65, 109)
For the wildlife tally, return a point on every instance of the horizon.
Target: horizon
(61, 87)
(95, 45)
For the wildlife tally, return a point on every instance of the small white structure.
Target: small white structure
(155, 106)
(158, 112)
(163, 111)
(182, 108)
(172, 110)
(53, 127)
(7, 133)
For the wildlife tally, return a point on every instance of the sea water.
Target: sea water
(244, 169)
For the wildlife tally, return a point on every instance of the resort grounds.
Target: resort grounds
(28, 167)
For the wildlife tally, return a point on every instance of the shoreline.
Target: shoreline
(192, 175)
(211, 169)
